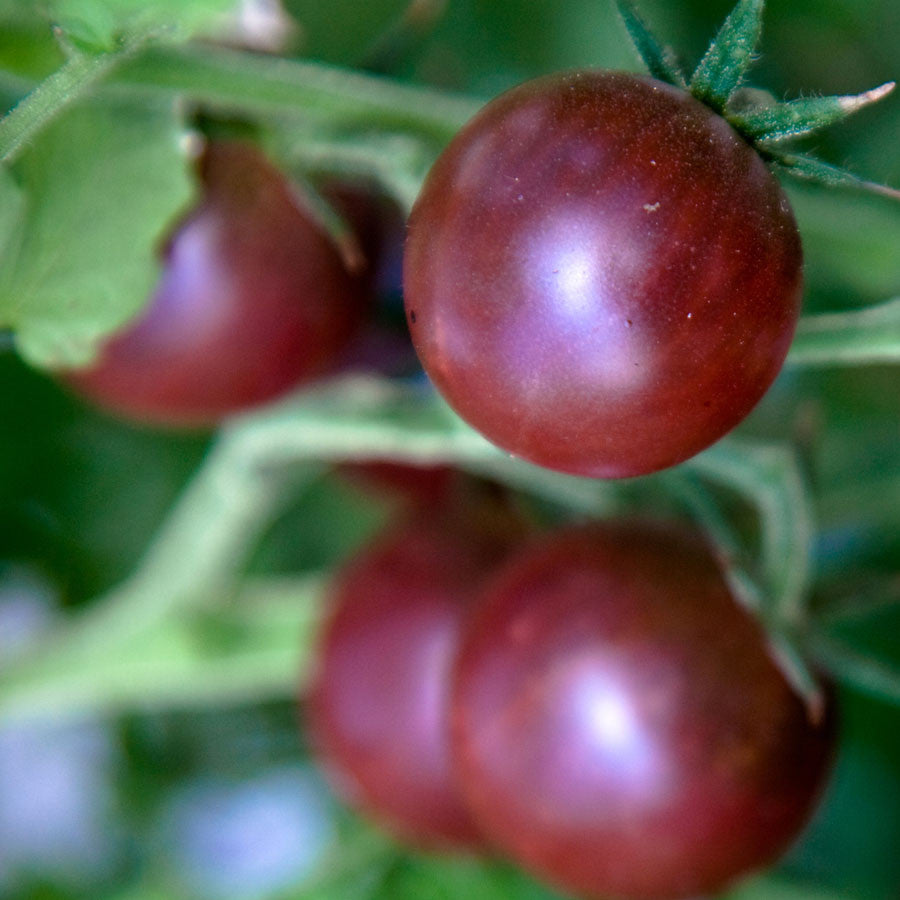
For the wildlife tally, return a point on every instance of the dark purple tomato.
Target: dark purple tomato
(253, 300)
(601, 276)
(378, 703)
(619, 726)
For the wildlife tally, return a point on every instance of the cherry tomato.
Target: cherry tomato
(253, 300)
(377, 707)
(619, 726)
(601, 276)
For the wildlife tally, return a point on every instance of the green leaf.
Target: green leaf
(858, 337)
(401, 37)
(850, 241)
(774, 888)
(99, 24)
(434, 878)
(447, 878)
(856, 669)
(808, 168)
(102, 185)
(354, 869)
(785, 121)
(729, 56)
(877, 594)
(659, 60)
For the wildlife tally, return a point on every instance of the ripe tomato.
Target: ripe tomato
(377, 706)
(601, 275)
(618, 724)
(253, 300)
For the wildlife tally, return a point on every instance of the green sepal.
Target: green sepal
(722, 68)
(780, 122)
(659, 59)
(808, 168)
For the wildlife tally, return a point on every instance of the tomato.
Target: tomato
(253, 300)
(377, 707)
(601, 275)
(618, 724)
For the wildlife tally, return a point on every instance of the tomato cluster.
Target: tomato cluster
(604, 278)
(592, 703)
(601, 276)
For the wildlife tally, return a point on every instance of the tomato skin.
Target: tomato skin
(253, 300)
(601, 276)
(378, 702)
(618, 725)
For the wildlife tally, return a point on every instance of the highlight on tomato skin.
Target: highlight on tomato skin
(601, 275)
(619, 726)
(377, 705)
(254, 299)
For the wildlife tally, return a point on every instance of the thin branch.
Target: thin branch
(71, 82)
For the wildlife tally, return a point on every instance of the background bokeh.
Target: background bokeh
(222, 802)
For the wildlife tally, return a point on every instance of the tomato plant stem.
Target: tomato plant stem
(53, 95)
(196, 555)
(234, 80)
(181, 660)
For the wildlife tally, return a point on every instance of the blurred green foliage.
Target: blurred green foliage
(82, 496)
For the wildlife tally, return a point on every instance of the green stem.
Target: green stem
(53, 95)
(201, 546)
(252, 649)
(196, 555)
(379, 421)
(241, 81)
